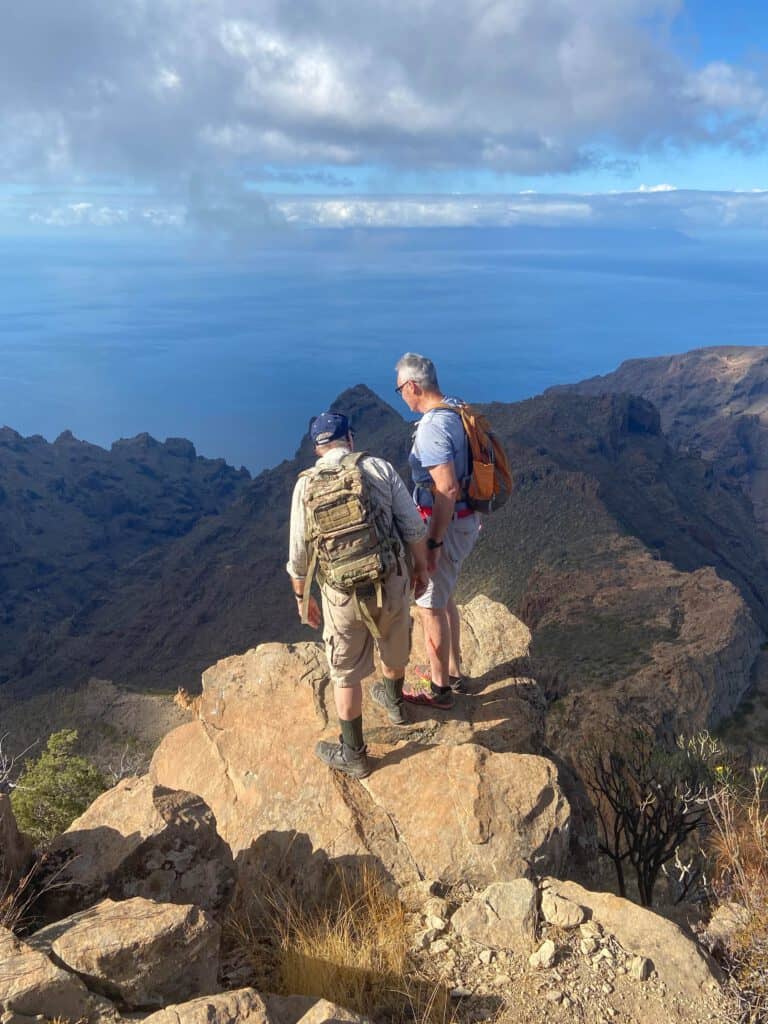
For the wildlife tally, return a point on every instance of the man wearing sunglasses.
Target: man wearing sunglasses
(440, 464)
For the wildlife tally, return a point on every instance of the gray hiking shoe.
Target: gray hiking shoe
(395, 709)
(344, 759)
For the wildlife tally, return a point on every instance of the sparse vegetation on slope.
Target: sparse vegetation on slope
(55, 788)
(351, 950)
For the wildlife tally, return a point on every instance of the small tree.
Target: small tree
(648, 800)
(54, 789)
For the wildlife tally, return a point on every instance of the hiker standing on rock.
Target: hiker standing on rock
(440, 465)
(354, 525)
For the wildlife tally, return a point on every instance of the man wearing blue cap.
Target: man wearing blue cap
(364, 580)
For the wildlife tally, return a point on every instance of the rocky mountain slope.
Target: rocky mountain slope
(165, 615)
(638, 567)
(714, 401)
(72, 515)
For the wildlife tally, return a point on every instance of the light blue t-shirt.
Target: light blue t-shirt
(439, 438)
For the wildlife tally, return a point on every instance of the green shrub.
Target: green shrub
(54, 789)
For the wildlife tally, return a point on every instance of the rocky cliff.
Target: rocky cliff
(713, 401)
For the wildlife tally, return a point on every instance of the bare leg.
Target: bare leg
(437, 638)
(454, 665)
(349, 701)
(392, 673)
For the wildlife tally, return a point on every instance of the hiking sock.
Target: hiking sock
(394, 689)
(352, 732)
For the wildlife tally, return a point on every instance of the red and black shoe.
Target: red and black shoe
(424, 691)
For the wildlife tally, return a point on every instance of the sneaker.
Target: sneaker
(395, 711)
(428, 694)
(458, 684)
(344, 759)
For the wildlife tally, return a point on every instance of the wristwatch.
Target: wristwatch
(432, 543)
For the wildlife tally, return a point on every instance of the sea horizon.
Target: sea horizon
(236, 349)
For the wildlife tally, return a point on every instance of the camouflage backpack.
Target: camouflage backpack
(350, 547)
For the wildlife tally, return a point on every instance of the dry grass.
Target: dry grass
(352, 951)
(739, 845)
(16, 897)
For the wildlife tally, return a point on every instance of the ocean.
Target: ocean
(236, 349)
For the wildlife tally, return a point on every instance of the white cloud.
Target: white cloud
(223, 207)
(534, 86)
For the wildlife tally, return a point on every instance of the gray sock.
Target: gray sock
(352, 732)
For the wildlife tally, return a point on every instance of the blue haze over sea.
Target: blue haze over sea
(236, 350)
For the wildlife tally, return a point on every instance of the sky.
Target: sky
(165, 116)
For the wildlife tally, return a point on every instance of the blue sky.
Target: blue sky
(136, 117)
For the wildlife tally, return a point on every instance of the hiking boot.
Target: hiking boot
(395, 710)
(431, 695)
(458, 684)
(344, 759)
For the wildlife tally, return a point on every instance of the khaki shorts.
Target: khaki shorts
(459, 539)
(348, 641)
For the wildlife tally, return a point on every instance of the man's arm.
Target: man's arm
(447, 492)
(297, 554)
(412, 529)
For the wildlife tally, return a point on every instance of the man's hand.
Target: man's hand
(314, 615)
(419, 581)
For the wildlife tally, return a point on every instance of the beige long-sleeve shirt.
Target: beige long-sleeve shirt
(387, 491)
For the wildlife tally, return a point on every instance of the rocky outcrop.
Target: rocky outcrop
(30, 984)
(451, 796)
(138, 953)
(679, 961)
(140, 839)
(712, 400)
(15, 848)
(691, 679)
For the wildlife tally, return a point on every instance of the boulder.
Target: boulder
(562, 913)
(30, 984)
(323, 1012)
(450, 798)
(246, 1006)
(505, 709)
(138, 953)
(15, 848)
(140, 839)
(501, 917)
(545, 955)
(678, 960)
(243, 1006)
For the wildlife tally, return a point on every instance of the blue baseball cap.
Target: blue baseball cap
(327, 427)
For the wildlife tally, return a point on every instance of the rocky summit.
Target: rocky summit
(148, 897)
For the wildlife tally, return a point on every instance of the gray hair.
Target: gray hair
(418, 369)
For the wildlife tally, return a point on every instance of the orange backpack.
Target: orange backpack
(490, 481)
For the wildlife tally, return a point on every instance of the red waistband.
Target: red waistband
(425, 512)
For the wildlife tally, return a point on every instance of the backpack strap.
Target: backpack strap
(459, 410)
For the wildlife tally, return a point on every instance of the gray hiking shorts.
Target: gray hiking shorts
(460, 538)
(348, 641)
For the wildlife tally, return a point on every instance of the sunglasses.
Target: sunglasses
(400, 388)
